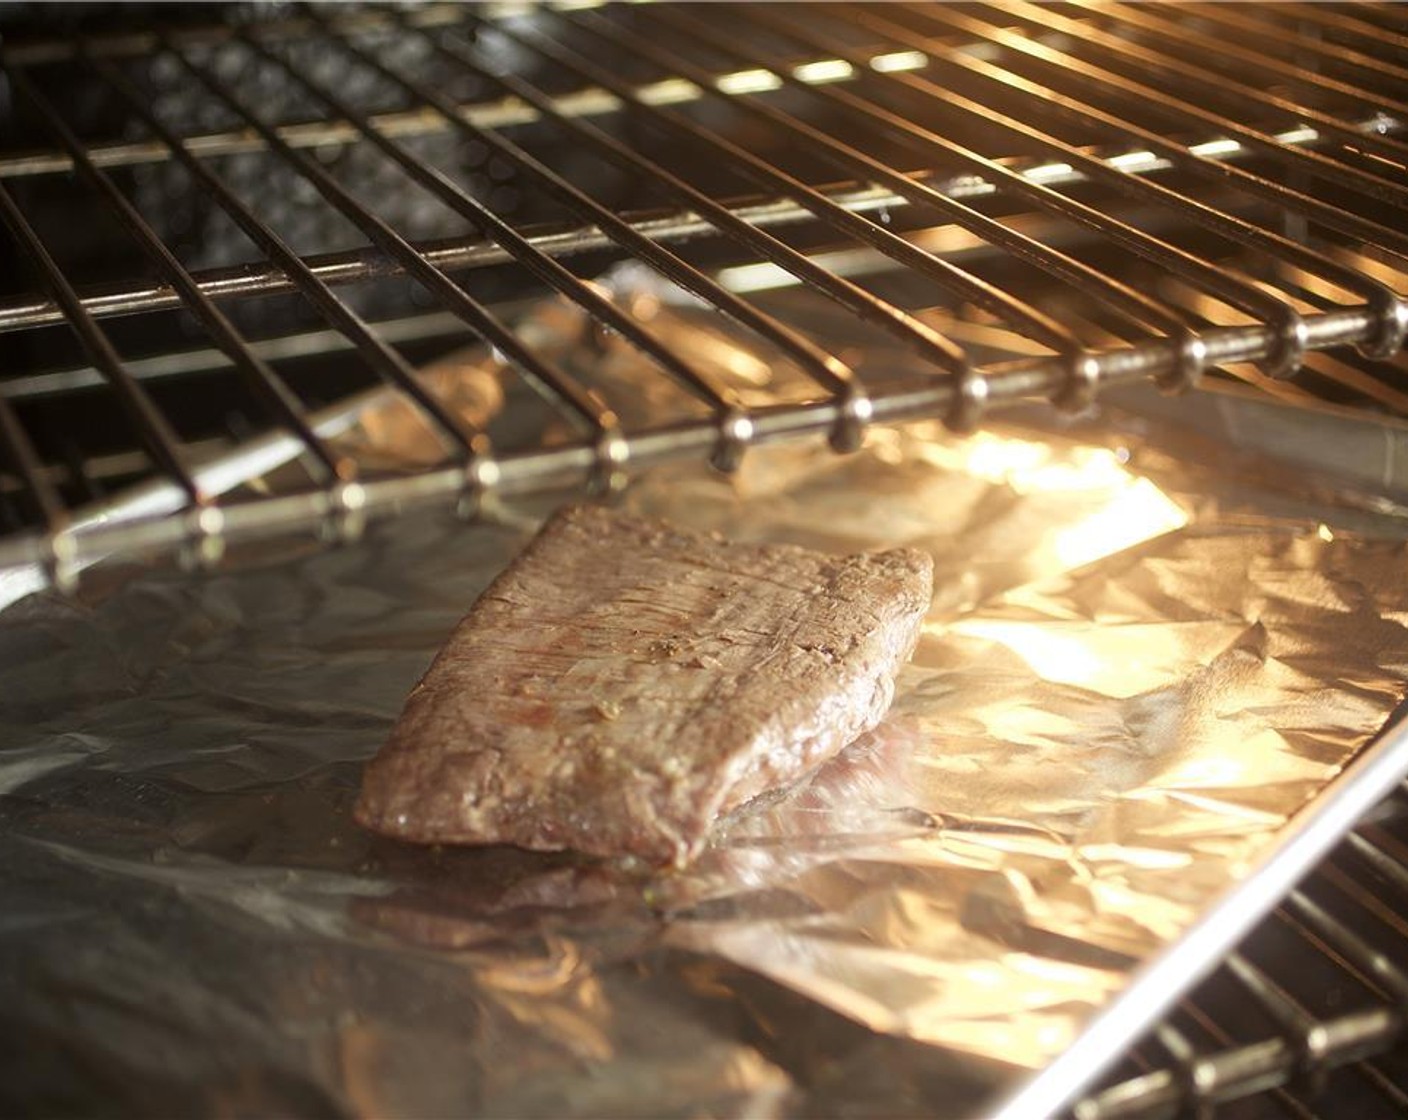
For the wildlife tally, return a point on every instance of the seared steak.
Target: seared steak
(624, 683)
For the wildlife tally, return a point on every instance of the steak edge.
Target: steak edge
(623, 684)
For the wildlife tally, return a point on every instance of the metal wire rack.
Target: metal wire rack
(1119, 191)
(1124, 192)
(1307, 1014)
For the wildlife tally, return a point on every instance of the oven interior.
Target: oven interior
(222, 226)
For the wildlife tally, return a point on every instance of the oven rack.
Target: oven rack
(1060, 145)
(1308, 1011)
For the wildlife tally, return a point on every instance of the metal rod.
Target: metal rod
(130, 43)
(150, 425)
(1372, 963)
(953, 279)
(1379, 296)
(1234, 229)
(25, 461)
(1263, 31)
(865, 304)
(604, 220)
(300, 277)
(1368, 38)
(1196, 270)
(1185, 111)
(187, 363)
(575, 463)
(1392, 869)
(584, 102)
(1376, 14)
(1308, 1039)
(443, 325)
(267, 385)
(1127, 302)
(1232, 90)
(548, 270)
(299, 134)
(558, 388)
(353, 266)
(1044, 98)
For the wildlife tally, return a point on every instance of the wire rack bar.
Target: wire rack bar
(140, 43)
(518, 247)
(551, 382)
(1341, 26)
(152, 428)
(852, 75)
(297, 273)
(862, 227)
(1120, 47)
(258, 375)
(1384, 301)
(1135, 304)
(1296, 1060)
(678, 226)
(734, 426)
(1099, 221)
(506, 112)
(1128, 302)
(35, 482)
(1050, 101)
(576, 464)
(355, 266)
(825, 368)
(1172, 59)
(1263, 31)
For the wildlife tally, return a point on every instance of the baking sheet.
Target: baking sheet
(1119, 701)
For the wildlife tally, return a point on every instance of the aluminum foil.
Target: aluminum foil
(1119, 700)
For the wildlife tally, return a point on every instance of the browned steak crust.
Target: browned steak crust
(624, 683)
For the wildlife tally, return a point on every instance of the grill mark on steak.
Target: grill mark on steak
(623, 684)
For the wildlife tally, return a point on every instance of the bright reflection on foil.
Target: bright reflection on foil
(1124, 508)
(1092, 742)
(1053, 655)
(1136, 512)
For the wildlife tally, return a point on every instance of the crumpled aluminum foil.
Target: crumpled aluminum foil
(1117, 703)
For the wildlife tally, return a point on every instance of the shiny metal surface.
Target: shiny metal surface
(1258, 237)
(1133, 698)
(1338, 933)
(1028, 201)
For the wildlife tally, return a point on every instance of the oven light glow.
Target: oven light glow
(748, 81)
(824, 70)
(899, 60)
(1134, 161)
(584, 102)
(1216, 148)
(754, 277)
(672, 91)
(1049, 171)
